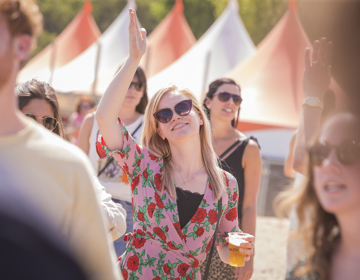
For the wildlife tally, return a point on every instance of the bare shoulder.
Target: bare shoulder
(251, 152)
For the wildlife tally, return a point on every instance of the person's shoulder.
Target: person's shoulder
(89, 119)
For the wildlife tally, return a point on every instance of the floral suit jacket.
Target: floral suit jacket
(158, 248)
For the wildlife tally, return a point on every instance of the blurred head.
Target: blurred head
(223, 100)
(38, 101)
(335, 161)
(331, 191)
(20, 25)
(85, 105)
(158, 137)
(136, 96)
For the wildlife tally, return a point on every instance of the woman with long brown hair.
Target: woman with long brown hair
(240, 156)
(178, 189)
(328, 204)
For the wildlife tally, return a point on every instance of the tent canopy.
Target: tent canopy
(271, 79)
(224, 44)
(168, 41)
(76, 37)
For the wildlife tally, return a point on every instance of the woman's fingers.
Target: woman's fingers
(328, 55)
(307, 59)
(322, 51)
(315, 55)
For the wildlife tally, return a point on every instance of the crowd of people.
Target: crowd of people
(141, 188)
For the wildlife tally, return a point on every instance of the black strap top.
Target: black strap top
(187, 202)
(233, 165)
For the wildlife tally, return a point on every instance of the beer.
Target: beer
(235, 257)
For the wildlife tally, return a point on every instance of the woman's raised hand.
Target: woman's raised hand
(317, 74)
(137, 38)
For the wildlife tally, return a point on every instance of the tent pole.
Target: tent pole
(206, 74)
(96, 70)
(52, 62)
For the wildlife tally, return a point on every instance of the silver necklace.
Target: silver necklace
(185, 182)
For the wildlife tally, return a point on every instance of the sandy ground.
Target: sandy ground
(270, 244)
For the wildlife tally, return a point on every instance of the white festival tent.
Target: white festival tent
(223, 46)
(93, 70)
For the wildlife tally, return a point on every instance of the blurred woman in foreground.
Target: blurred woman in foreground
(328, 206)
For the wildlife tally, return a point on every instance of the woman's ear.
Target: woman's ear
(161, 134)
(207, 102)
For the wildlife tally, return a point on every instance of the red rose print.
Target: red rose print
(159, 202)
(188, 278)
(234, 196)
(145, 173)
(138, 149)
(102, 140)
(127, 135)
(226, 179)
(135, 182)
(195, 264)
(157, 180)
(151, 209)
(182, 268)
(166, 228)
(140, 216)
(157, 278)
(150, 234)
(100, 151)
(213, 216)
(208, 245)
(210, 187)
(178, 229)
(125, 168)
(200, 231)
(167, 269)
(171, 245)
(152, 157)
(231, 215)
(204, 201)
(121, 154)
(125, 274)
(138, 162)
(139, 242)
(199, 216)
(159, 232)
(133, 262)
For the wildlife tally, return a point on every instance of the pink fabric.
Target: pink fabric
(158, 247)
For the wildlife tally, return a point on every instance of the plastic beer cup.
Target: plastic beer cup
(235, 257)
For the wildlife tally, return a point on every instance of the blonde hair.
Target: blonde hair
(156, 145)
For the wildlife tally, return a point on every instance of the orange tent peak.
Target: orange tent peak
(88, 7)
(179, 6)
(292, 5)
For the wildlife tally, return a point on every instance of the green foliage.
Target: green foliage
(259, 16)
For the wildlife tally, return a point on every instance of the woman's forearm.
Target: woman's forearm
(248, 221)
(223, 251)
(114, 96)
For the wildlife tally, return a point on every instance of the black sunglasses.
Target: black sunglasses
(347, 152)
(225, 96)
(48, 122)
(137, 85)
(182, 108)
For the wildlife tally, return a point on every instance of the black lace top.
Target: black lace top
(188, 202)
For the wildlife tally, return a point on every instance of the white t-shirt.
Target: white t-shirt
(112, 178)
(54, 177)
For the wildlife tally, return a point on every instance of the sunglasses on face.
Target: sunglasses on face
(225, 96)
(48, 122)
(137, 85)
(347, 152)
(182, 108)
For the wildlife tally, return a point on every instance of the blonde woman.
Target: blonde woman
(175, 179)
